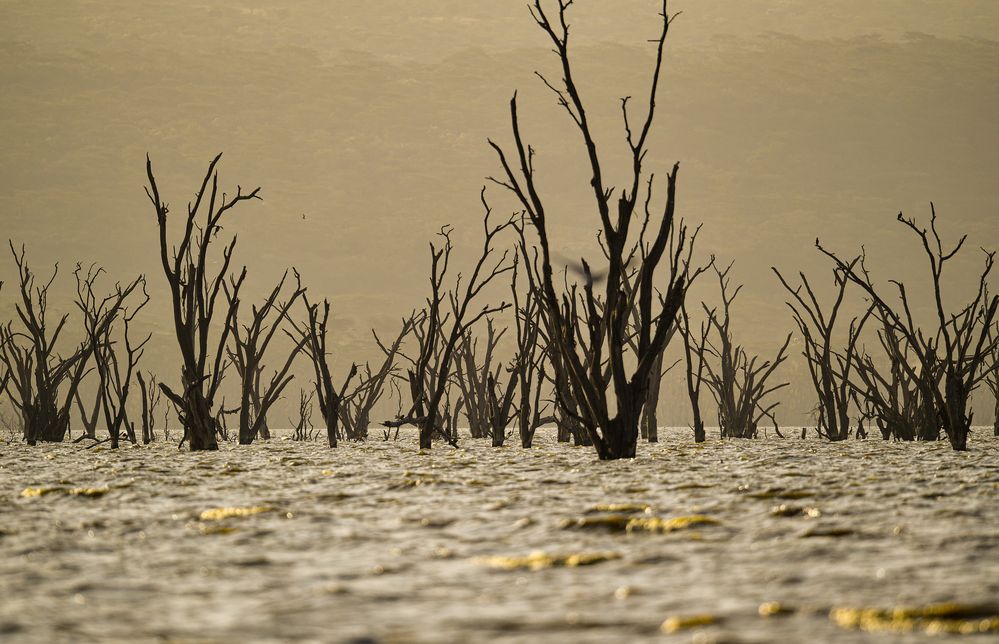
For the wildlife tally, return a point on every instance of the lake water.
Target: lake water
(378, 542)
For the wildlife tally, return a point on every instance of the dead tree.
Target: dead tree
(250, 343)
(649, 424)
(737, 381)
(488, 401)
(430, 376)
(41, 383)
(501, 409)
(613, 425)
(311, 336)
(695, 347)
(829, 370)
(194, 292)
(959, 344)
(355, 412)
(304, 429)
(892, 394)
(528, 363)
(565, 408)
(473, 373)
(115, 369)
(90, 420)
(151, 399)
(992, 381)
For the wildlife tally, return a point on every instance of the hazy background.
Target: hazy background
(791, 120)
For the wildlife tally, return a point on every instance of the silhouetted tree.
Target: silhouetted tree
(612, 421)
(565, 408)
(314, 332)
(151, 399)
(959, 344)
(529, 362)
(892, 393)
(304, 429)
(250, 343)
(694, 349)
(115, 369)
(737, 381)
(440, 331)
(40, 382)
(476, 375)
(992, 382)
(194, 292)
(355, 412)
(829, 370)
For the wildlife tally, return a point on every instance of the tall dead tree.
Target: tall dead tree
(194, 292)
(430, 376)
(738, 381)
(249, 344)
(42, 384)
(311, 335)
(613, 425)
(829, 369)
(959, 343)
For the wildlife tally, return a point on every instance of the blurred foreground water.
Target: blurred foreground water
(736, 541)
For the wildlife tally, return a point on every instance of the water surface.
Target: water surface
(380, 541)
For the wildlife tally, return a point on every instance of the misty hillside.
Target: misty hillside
(372, 122)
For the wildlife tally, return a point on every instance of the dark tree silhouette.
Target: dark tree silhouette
(828, 369)
(42, 384)
(311, 336)
(565, 412)
(528, 364)
(440, 331)
(115, 369)
(992, 381)
(694, 351)
(355, 412)
(738, 381)
(959, 344)
(892, 394)
(477, 375)
(304, 430)
(613, 425)
(151, 399)
(250, 343)
(194, 292)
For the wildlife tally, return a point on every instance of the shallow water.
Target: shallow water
(379, 541)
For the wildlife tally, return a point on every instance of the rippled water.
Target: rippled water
(380, 541)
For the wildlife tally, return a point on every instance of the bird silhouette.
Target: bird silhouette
(577, 268)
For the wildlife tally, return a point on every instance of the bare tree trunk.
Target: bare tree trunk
(193, 293)
(650, 422)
